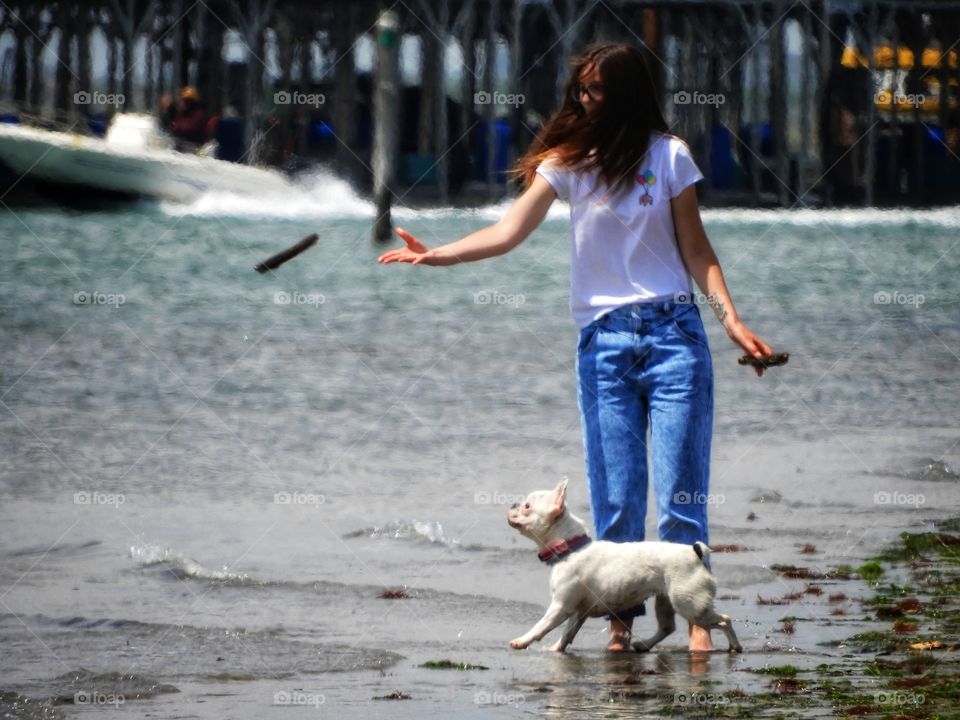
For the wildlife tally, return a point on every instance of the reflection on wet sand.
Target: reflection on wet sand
(581, 685)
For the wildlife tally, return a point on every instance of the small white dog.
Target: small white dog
(594, 578)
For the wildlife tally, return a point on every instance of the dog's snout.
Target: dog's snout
(515, 506)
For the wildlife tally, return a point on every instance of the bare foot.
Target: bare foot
(620, 635)
(700, 639)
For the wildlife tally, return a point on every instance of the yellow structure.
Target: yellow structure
(891, 70)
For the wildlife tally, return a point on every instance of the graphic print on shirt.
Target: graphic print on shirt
(647, 180)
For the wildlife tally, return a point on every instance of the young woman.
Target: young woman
(643, 361)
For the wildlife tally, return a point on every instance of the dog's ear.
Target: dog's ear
(558, 499)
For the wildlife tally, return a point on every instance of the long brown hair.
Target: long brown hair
(618, 130)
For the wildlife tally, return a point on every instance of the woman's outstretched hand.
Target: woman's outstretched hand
(415, 252)
(745, 338)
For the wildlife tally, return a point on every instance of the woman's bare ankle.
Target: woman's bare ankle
(700, 639)
(620, 635)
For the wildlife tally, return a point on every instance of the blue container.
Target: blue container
(503, 133)
(417, 169)
(722, 166)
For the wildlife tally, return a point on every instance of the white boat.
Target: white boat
(135, 158)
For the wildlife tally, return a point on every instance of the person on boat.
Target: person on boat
(186, 122)
(637, 241)
(228, 132)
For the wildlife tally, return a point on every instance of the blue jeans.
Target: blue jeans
(647, 366)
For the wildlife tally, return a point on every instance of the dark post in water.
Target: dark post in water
(387, 120)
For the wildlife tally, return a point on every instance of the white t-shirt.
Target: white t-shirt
(624, 248)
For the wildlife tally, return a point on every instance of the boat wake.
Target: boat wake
(318, 195)
(323, 195)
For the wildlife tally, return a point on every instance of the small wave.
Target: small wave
(427, 531)
(172, 651)
(64, 548)
(766, 496)
(170, 563)
(937, 471)
(180, 566)
(926, 470)
(79, 686)
(84, 623)
(79, 623)
(15, 705)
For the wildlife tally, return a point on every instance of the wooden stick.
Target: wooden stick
(280, 258)
(765, 362)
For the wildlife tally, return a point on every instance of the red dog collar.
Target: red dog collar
(562, 548)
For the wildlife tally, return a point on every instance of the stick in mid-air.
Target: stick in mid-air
(280, 258)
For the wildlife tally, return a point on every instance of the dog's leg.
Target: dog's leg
(666, 624)
(569, 632)
(713, 619)
(556, 614)
(726, 624)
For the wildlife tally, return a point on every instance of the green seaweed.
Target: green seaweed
(450, 665)
(781, 671)
(395, 695)
(871, 571)
(880, 662)
(951, 525)
(922, 546)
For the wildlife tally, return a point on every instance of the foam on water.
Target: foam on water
(323, 195)
(429, 531)
(318, 195)
(180, 565)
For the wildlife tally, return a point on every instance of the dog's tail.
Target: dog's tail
(701, 550)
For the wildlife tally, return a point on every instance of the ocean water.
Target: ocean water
(210, 477)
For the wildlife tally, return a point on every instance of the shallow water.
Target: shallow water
(253, 473)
